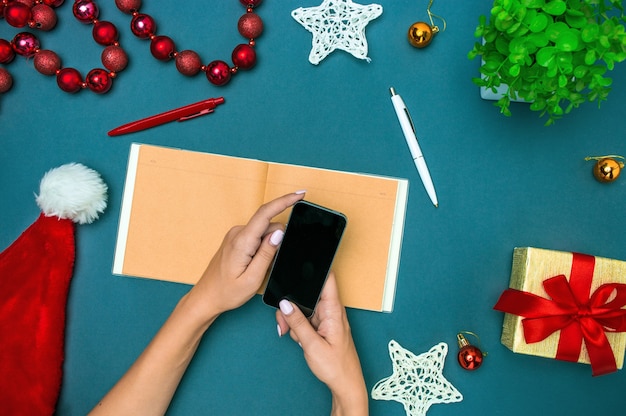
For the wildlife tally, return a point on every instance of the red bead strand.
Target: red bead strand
(40, 14)
(188, 62)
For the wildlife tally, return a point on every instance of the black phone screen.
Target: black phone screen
(305, 256)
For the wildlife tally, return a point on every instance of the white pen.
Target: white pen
(411, 139)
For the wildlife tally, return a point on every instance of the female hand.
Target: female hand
(238, 268)
(328, 348)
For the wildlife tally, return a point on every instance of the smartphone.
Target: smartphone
(303, 261)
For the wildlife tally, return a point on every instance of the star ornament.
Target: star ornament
(337, 24)
(417, 381)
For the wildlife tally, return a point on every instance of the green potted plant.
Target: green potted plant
(553, 54)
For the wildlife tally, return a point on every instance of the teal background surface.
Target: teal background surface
(502, 182)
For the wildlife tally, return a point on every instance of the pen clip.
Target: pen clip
(408, 115)
(198, 114)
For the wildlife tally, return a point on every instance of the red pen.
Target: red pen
(179, 114)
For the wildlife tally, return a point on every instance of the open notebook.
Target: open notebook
(178, 205)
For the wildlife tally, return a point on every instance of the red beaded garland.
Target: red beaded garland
(188, 62)
(39, 14)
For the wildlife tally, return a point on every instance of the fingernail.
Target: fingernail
(280, 333)
(285, 307)
(276, 237)
(300, 192)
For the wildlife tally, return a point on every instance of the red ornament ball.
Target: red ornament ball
(251, 3)
(470, 357)
(188, 62)
(69, 80)
(53, 3)
(6, 52)
(244, 56)
(47, 62)
(6, 81)
(86, 11)
(218, 73)
(99, 81)
(105, 33)
(143, 26)
(162, 48)
(25, 44)
(128, 6)
(114, 58)
(250, 26)
(17, 14)
(43, 17)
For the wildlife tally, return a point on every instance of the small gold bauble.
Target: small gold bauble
(607, 169)
(421, 34)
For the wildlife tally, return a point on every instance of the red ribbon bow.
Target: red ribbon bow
(571, 310)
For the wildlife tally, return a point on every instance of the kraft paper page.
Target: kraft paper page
(178, 205)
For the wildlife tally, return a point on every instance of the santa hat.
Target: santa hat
(35, 273)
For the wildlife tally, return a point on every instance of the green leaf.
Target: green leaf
(555, 7)
(539, 23)
(590, 33)
(514, 70)
(533, 4)
(556, 30)
(546, 55)
(567, 41)
(562, 81)
(590, 57)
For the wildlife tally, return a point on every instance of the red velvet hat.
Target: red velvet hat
(35, 273)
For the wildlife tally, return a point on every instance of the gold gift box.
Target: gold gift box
(531, 266)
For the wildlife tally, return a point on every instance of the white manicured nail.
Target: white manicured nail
(276, 237)
(286, 307)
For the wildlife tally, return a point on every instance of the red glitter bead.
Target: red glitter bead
(6, 80)
(25, 44)
(69, 80)
(85, 11)
(250, 25)
(251, 3)
(47, 62)
(99, 81)
(143, 26)
(218, 73)
(114, 58)
(53, 3)
(244, 56)
(105, 33)
(128, 6)
(188, 62)
(43, 17)
(6, 52)
(162, 48)
(17, 14)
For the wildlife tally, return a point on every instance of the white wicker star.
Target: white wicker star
(337, 24)
(417, 381)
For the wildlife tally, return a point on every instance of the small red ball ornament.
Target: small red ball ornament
(25, 44)
(17, 14)
(251, 3)
(69, 80)
(470, 357)
(128, 6)
(99, 81)
(244, 56)
(85, 11)
(6, 81)
(114, 58)
(6, 52)
(43, 17)
(218, 73)
(162, 48)
(143, 26)
(105, 33)
(47, 62)
(250, 26)
(53, 3)
(188, 62)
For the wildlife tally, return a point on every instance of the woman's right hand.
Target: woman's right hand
(329, 349)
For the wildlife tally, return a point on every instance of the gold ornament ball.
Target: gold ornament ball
(421, 34)
(607, 169)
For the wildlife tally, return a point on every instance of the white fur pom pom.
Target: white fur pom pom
(72, 191)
